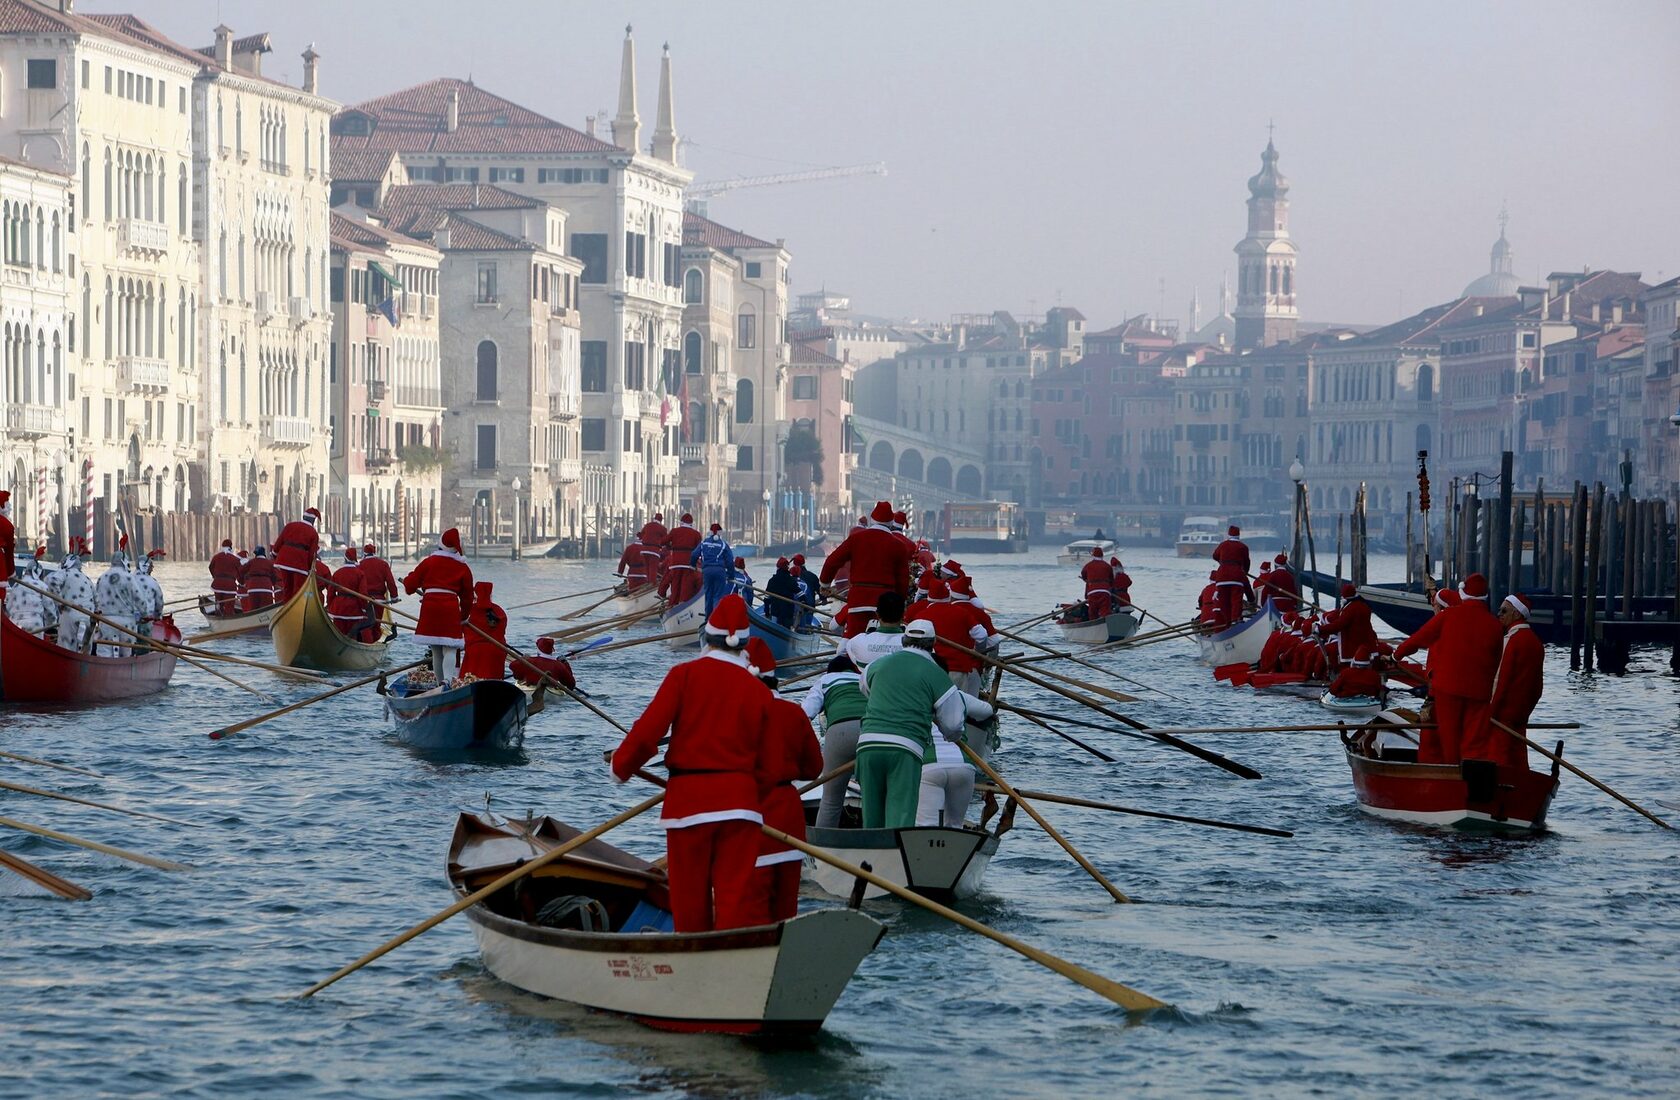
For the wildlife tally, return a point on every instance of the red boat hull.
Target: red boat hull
(34, 670)
(1436, 794)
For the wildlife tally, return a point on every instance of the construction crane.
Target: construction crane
(698, 193)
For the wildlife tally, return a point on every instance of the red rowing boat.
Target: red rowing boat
(35, 670)
(1389, 782)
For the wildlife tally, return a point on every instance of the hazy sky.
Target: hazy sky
(1081, 152)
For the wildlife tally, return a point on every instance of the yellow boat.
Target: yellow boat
(305, 637)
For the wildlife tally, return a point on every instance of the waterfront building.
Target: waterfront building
(1658, 472)
(819, 411)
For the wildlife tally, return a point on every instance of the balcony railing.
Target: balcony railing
(379, 457)
(299, 309)
(286, 431)
(264, 303)
(34, 421)
(564, 405)
(567, 469)
(144, 235)
(134, 373)
(692, 454)
(376, 390)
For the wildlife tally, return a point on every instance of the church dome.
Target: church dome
(1268, 182)
(1499, 282)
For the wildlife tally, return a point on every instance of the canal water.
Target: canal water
(1359, 958)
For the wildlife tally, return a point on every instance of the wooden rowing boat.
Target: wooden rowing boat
(480, 716)
(643, 598)
(1350, 704)
(769, 979)
(36, 670)
(1388, 782)
(937, 862)
(688, 616)
(305, 636)
(784, 644)
(218, 625)
(1240, 643)
(1116, 627)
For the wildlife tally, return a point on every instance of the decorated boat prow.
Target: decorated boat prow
(593, 928)
(305, 636)
(38, 670)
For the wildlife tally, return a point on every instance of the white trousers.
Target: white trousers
(946, 791)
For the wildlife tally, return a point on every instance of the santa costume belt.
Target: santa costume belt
(678, 772)
(673, 567)
(438, 592)
(291, 568)
(1227, 584)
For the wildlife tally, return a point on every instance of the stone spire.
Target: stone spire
(627, 126)
(665, 130)
(1266, 309)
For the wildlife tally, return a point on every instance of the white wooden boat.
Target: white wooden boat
(1350, 704)
(770, 979)
(1239, 643)
(218, 625)
(1078, 551)
(937, 862)
(645, 598)
(688, 616)
(1116, 627)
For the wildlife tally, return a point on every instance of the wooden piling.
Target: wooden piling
(1594, 562)
(1577, 575)
(1513, 569)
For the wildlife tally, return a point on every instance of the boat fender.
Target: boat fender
(576, 911)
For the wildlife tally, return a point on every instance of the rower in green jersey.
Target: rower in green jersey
(907, 695)
(838, 700)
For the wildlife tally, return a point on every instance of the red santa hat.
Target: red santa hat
(882, 512)
(796, 570)
(799, 559)
(451, 540)
(1114, 562)
(951, 568)
(961, 587)
(925, 579)
(740, 563)
(659, 517)
(760, 660)
(781, 563)
(349, 553)
(545, 645)
(1348, 590)
(687, 517)
(482, 589)
(313, 515)
(1517, 603)
(922, 544)
(1474, 587)
(370, 549)
(938, 590)
(716, 527)
(243, 554)
(1096, 552)
(729, 621)
(1282, 558)
(227, 544)
(901, 519)
(1233, 530)
(1265, 567)
(1445, 598)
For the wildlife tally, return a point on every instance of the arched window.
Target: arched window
(486, 370)
(692, 350)
(57, 245)
(181, 198)
(1423, 437)
(1426, 383)
(87, 178)
(744, 401)
(694, 287)
(695, 422)
(1020, 394)
(1288, 280)
(108, 319)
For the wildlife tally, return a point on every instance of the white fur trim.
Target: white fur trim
(789, 855)
(428, 639)
(1521, 607)
(712, 816)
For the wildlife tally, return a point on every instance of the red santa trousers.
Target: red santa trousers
(711, 871)
(1456, 718)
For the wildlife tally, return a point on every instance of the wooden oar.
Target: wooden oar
(1114, 807)
(22, 789)
(629, 643)
(480, 894)
(1124, 996)
(49, 764)
(1076, 659)
(567, 596)
(44, 878)
(616, 592)
(1068, 737)
(94, 845)
(229, 731)
(571, 634)
(1557, 759)
(1035, 620)
(1078, 857)
(1197, 751)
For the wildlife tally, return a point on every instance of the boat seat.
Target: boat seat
(647, 917)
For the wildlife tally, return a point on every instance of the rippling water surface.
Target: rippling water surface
(1358, 958)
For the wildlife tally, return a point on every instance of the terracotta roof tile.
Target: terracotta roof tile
(809, 355)
(367, 235)
(413, 121)
(464, 233)
(133, 27)
(251, 43)
(419, 208)
(700, 230)
(28, 17)
(358, 165)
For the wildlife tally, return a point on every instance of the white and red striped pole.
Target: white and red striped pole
(41, 506)
(87, 502)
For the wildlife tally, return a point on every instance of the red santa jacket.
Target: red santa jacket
(295, 548)
(1280, 584)
(8, 547)
(483, 658)
(531, 670)
(258, 576)
(879, 562)
(1098, 576)
(1352, 621)
(1231, 574)
(653, 535)
(718, 714)
(1521, 677)
(1204, 602)
(955, 621)
(323, 580)
(445, 583)
(1233, 551)
(224, 571)
(1357, 678)
(1122, 589)
(632, 564)
(682, 541)
(346, 608)
(1463, 643)
(791, 753)
(377, 579)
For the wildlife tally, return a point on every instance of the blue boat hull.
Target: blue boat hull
(486, 715)
(784, 643)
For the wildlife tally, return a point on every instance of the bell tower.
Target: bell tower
(1266, 312)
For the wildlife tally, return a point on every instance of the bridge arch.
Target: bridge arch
(910, 465)
(939, 472)
(968, 481)
(881, 457)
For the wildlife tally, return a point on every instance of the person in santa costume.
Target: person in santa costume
(345, 605)
(1281, 585)
(445, 583)
(718, 716)
(900, 525)
(323, 578)
(1349, 626)
(295, 552)
(376, 574)
(1122, 585)
(790, 753)
(224, 578)
(878, 562)
(1464, 644)
(1517, 688)
(531, 670)
(259, 579)
(963, 621)
(483, 657)
(1098, 576)
(1207, 603)
(8, 542)
(678, 582)
(633, 566)
(653, 534)
(1359, 676)
(1231, 576)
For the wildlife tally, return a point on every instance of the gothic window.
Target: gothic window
(1288, 280)
(1426, 383)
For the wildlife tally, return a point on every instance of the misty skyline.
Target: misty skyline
(1080, 153)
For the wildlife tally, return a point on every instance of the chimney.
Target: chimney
(440, 237)
(1563, 308)
(224, 46)
(452, 118)
(589, 125)
(67, 7)
(1616, 313)
(311, 69)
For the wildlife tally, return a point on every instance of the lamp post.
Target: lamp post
(765, 494)
(517, 485)
(1296, 473)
